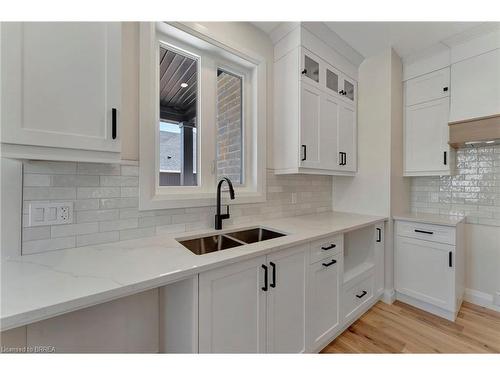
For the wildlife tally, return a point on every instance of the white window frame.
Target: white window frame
(212, 54)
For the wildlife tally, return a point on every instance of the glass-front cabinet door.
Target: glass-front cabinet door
(332, 80)
(348, 89)
(311, 68)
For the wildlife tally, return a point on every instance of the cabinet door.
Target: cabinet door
(347, 134)
(425, 271)
(286, 301)
(60, 83)
(476, 87)
(232, 309)
(312, 68)
(323, 302)
(349, 89)
(426, 138)
(379, 258)
(427, 87)
(310, 117)
(329, 122)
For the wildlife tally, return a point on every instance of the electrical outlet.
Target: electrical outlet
(54, 213)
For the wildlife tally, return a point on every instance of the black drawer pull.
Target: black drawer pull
(329, 247)
(423, 231)
(329, 264)
(362, 294)
(379, 235)
(113, 123)
(304, 152)
(445, 160)
(273, 283)
(450, 259)
(264, 288)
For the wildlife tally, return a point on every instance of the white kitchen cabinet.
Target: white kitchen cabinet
(427, 87)
(61, 85)
(232, 308)
(286, 301)
(426, 149)
(315, 116)
(428, 263)
(323, 304)
(476, 87)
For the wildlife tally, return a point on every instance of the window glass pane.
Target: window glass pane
(312, 68)
(178, 91)
(332, 80)
(229, 126)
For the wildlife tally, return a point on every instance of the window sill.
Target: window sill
(189, 200)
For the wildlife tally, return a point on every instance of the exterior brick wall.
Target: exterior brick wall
(229, 148)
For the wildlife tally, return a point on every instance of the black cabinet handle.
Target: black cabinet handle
(423, 231)
(329, 264)
(264, 288)
(445, 89)
(362, 294)
(329, 247)
(379, 235)
(304, 71)
(304, 152)
(444, 158)
(340, 158)
(273, 283)
(450, 259)
(113, 123)
(345, 158)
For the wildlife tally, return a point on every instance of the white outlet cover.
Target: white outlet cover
(50, 213)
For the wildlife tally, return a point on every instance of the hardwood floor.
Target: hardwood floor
(401, 328)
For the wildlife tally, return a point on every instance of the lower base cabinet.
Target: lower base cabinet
(256, 306)
(323, 301)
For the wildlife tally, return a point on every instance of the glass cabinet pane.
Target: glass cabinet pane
(349, 89)
(311, 68)
(332, 80)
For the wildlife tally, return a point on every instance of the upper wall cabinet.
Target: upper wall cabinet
(426, 150)
(61, 88)
(476, 87)
(315, 110)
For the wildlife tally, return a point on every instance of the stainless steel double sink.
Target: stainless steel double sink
(218, 242)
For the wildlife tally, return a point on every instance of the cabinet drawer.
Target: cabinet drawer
(326, 247)
(428, 232)
(357, 295)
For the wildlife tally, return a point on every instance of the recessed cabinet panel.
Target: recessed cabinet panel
(310, 130)
(476, 87)
(329, 129)
(60, 84)
(425, 271)
(232, 309)
(323, 305)
(428, 87)
(286, 301)
(346, 146)
(426, 137)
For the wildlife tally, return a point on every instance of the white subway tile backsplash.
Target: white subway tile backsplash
(73, 229)
(105, 198)
(40, 246)
(98, 192)
(473, 191)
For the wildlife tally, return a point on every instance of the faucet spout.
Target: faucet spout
(219, 217)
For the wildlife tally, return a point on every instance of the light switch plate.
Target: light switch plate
(54, 213)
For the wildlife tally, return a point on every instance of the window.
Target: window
(203, 117)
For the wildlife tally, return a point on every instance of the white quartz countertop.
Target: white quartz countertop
(40, 286)
(446, 220)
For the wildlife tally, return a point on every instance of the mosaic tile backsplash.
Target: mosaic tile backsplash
(105, 202)
(473, 191)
